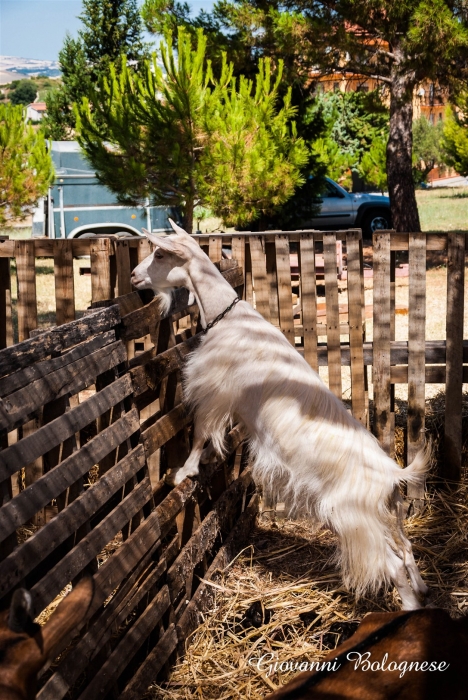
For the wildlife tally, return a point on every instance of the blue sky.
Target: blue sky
(36, 28)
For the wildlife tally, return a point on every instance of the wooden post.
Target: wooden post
(283, 271)
(309, 298)
(122, 256)
(101, 287)
(454, 357)
(26, 273)
(333, 315)
(64, 282)
(416, 355)
(381, 344)
(358, 398)
(6, 329)
(259, 274)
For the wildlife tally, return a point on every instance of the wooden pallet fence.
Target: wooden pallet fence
(101, 430)
(418, 361)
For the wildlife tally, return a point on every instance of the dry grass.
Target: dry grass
(286, 567)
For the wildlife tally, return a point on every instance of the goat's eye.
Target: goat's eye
(157, 254)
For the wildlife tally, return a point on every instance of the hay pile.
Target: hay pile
(282, 599)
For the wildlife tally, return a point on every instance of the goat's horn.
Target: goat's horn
(21, 610)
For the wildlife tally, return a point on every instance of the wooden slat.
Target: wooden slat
(156, 369)
(164, 429)
(55, 341)
(309, 299)
(358, 399)
(64, 282)
(27, 302)
(416, 352)
(101, 287)
(270, 259)
(454, 388)
(21, 378)
(283, 271)
(74, 561)
(238, 254)
(215, 248)
(381, 354)
(6, 328)
(433, 375)
(333, 317)
(126, 650)
(58, 430)
(26, 557)
(151, 666)
(259, 273)
(69, 379)
(122, 255)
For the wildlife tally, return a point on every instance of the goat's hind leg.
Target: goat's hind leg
(406, 548)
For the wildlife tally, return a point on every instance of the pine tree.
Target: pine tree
(184, 138)
(26, 169)
(111, 29)
(427, 147)
(400, 44)
(372, 167)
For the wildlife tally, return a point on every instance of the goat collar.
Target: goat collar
(220, 316)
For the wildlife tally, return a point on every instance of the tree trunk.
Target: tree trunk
(399, 151)
(187, 216)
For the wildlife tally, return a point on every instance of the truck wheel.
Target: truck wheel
(375, 220)
(87, 235)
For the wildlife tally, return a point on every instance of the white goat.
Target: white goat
(305, 446)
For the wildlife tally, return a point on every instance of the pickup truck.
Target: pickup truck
(341, 209)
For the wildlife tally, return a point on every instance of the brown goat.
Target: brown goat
(25, 646)
(376, 662)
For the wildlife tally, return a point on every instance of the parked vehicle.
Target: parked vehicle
(79, 205)
(341, 209)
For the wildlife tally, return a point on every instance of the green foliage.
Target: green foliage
(110, 30)
(427, 147)
(455, 137)
(184, 138)
(26, 169)
(373, 165)
(25, 92)
(336, 162)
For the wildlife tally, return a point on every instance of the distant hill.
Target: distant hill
(15, 68)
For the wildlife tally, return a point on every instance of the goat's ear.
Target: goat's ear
(71, 611)
(20, 615)
(171, 244)
(177, 229)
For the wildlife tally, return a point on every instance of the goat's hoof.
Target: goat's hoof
(209, 455)
(182, 474)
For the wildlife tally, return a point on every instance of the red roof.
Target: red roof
(38, 106)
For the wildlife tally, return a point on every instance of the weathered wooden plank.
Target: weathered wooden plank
(309, 299)
(204, 595)
(433, 375)
(26, 274)
(215, 248)
(164, 429)
(455, 369)
(101, 287)
(270, 259)
(238, 254)
(283, 273)
(416, 352)
(74, 561)
(128, 647)
(381, 355)
(154, 371)
(6, 329)
(333, 317)
(69, 379)
(23, 377)
(122, 256)
(107, 624)
(26, 557)
(173, 504)
(358, 399)
(259, 273)
(57, 340)
(58, 430)
(64, 282)
(151, 666)
(50, 485)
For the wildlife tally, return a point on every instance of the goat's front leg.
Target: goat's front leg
(190, 467)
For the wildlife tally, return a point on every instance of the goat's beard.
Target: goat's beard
(165, 296)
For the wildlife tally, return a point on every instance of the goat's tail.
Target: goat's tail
(417, 470)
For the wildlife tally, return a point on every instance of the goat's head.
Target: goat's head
(25, 647)
(166, 268)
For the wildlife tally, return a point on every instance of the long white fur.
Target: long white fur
(305, 446)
